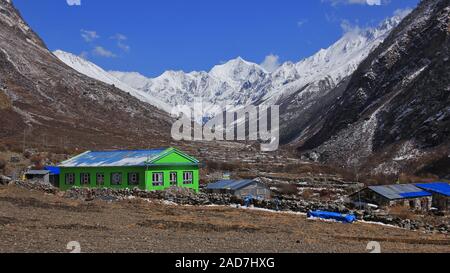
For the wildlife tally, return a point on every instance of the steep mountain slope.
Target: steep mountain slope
(43, 100)
(396, 106)
(322, 78)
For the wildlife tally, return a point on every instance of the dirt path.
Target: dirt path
(34, 222)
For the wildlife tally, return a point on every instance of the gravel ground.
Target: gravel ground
(36, 222)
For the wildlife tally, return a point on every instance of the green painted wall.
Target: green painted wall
(145, 177)
(167, 170)
(173, 158)
(171, 161)
(107, 171)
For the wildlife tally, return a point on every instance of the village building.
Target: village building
(54, 175)
(440, 192)
(41, 175)
(151, 170)
(394, 195)
(241, 189)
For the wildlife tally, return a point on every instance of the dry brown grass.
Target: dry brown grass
(34, 222)
(402, 212)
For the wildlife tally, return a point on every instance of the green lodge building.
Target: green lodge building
(150, 170)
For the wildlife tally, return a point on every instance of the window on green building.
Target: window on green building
(116, 179)
(133, 179)
(100, 179)
(85, 179)
(70, 179)
(173, 179)
(188, 178)
(158, 179)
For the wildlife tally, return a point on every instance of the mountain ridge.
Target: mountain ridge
(395, 108)
(45, 101)
(239, 83)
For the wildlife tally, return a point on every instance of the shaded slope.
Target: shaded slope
(45, 100)
(398, 97)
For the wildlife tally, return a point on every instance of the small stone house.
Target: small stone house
(440, 192)
(407, 195)
(241, 189)
(43, 175)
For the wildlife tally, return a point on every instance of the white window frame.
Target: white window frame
(173, 180)
(158, 179)
(114, 175)
(100, 182)
(133, 179)
(70, 179)
(85, 179)
(188, 178)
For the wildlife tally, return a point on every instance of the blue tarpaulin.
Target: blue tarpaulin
(344, 218)
(53, 170)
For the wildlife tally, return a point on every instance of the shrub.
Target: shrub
(27, 154)
(289, 189)
(2, 165)
(307, 194)
(325, 194)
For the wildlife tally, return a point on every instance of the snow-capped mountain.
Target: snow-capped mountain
(239, 82)
(234, 83)
(93, 71)
(332, 64)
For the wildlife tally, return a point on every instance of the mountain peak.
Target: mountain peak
(236, 71)
(234, 63)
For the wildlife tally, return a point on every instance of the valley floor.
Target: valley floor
(34, 222)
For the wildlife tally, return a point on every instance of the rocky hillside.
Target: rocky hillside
(395, 109)
(44, 101)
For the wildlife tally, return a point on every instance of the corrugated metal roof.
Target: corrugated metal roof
(37, 172)
(229, 184)
(394, 192)
(113, 159)
(437, 187)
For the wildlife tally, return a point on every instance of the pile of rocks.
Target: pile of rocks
(403, 223)
(179, 196)
(184, 196)
(302, 205)
(187, 197)
(36, 185)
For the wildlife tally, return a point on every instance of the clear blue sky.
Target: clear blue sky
(153, 36)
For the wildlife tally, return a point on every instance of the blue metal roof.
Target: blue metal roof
(229, 185)
(405, 191)
(437, 187)
(415, 194)
(135, 158)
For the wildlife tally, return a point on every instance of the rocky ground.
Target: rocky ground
(46, 221)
